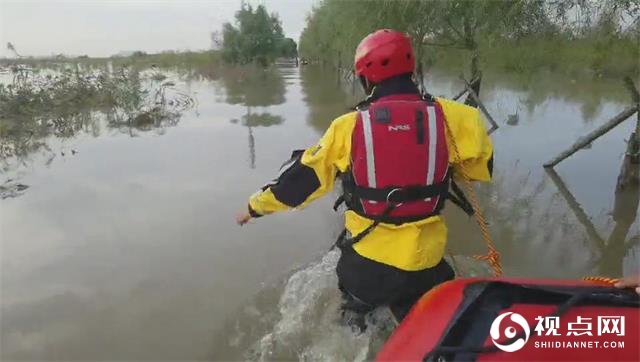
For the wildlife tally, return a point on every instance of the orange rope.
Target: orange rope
(601, 280)
(493, 256)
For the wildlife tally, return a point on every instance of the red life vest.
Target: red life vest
(399, 158)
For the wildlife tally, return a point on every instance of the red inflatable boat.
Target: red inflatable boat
(519, 320)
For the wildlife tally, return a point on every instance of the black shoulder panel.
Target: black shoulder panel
(296, 183)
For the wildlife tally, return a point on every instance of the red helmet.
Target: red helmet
(384, 54)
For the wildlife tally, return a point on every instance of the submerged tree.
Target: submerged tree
(256, 37)
(12, 49)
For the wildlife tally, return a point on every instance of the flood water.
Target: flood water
(121, 245)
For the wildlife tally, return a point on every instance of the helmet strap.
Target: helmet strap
(366, 85)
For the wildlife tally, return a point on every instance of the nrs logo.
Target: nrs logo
(400, 127)
(510, 332)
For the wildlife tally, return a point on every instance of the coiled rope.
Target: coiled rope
(601, 280)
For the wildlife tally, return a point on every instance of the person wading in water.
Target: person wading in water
(395, 156)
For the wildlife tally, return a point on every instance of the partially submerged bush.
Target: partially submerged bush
(61, 103)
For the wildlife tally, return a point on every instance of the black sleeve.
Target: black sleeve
(253, 212)
(296, 181)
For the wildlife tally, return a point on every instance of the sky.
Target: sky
(107, 27)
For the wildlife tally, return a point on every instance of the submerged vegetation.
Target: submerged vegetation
(40, 103)
(63, 96)
(206, 63)
(563, 36)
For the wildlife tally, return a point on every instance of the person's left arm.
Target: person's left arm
(308, 175)
(470, 147)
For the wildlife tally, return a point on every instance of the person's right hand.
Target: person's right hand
(243, 218)
(632, 281)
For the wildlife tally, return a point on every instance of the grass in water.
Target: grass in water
(38, 103)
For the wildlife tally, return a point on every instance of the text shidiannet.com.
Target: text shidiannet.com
(581, 344)
(607, 325)
(580, 333)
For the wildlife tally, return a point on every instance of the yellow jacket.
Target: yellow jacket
(409, 246)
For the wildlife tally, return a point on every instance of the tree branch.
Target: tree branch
(448, 21)
(445, 45)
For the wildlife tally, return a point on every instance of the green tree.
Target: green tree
(257, 37)
(478, 30)
(331, 31)
(289, 48)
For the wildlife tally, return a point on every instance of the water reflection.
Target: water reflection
(610, 254)
(254, 87)
(257, 120)
(325, 98)
(589, 93)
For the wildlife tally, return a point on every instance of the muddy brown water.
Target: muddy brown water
(126, 248)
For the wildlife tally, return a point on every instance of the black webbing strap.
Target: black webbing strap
(344, 241)
(338, 202)
(457, 196)
(402, 194)
(419, 127)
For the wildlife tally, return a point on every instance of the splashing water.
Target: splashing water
(309, 327)
(300, 319)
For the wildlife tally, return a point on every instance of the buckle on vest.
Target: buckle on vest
(397, 189)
